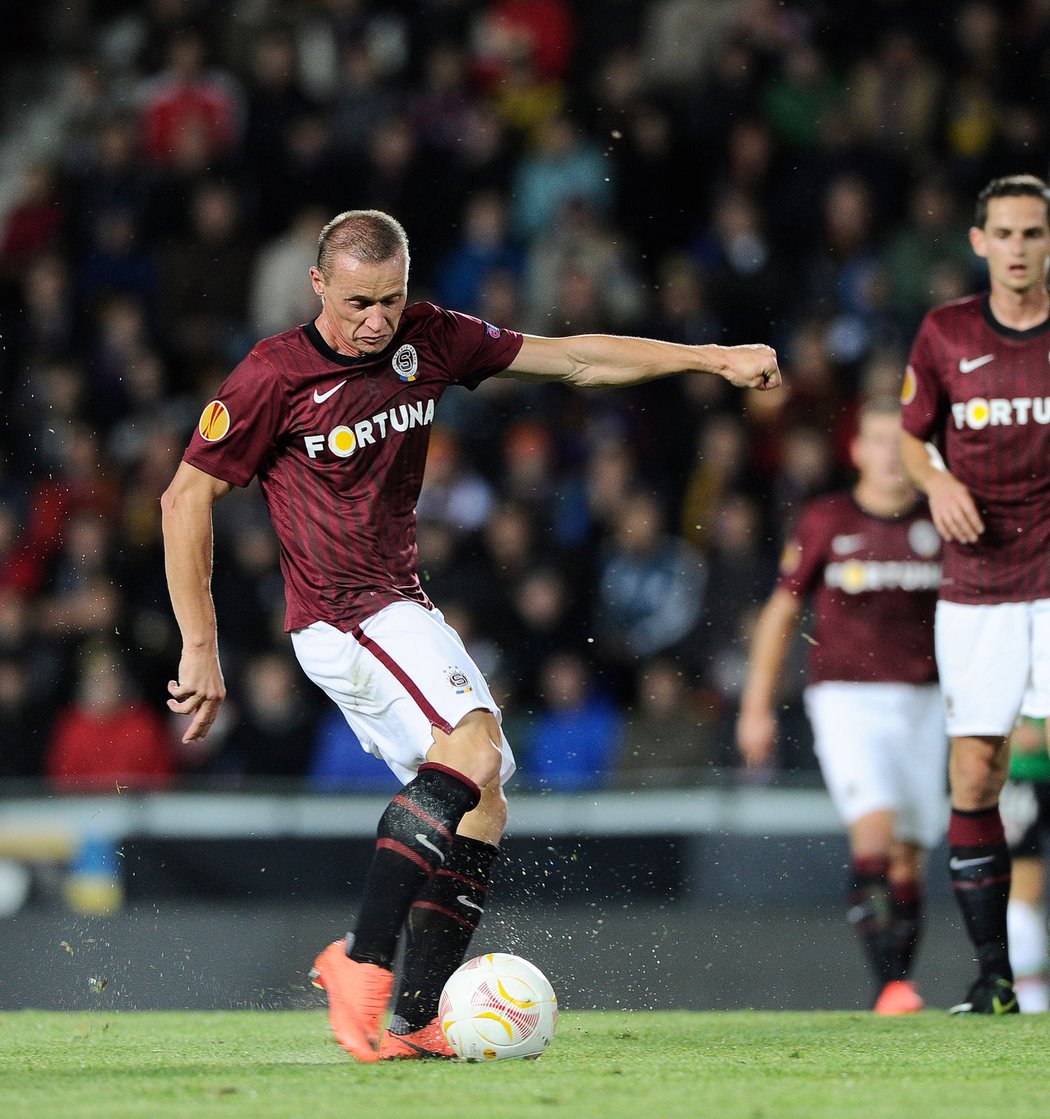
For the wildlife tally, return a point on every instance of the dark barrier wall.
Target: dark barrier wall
(702, 922)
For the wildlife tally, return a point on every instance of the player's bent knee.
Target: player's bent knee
(488, 821)
(472, 748)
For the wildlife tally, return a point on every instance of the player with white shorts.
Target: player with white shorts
(868, 562)
(334, 419)
(398, 674)
(882, 747)
(1008, 642)
(976, 440)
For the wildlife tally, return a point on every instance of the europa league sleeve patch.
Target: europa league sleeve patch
(909, 387)
(214, 422)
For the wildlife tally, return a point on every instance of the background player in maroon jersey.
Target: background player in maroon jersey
(867, 560)
(976, 439)
(334, 418)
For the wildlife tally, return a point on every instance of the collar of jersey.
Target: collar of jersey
(326, 351)
(1008, 331)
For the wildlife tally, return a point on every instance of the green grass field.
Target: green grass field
(759, 1065)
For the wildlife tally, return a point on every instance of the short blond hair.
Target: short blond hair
(366, 235)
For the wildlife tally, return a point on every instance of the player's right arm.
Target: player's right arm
(952, 507)
(756, 728)
(186, 518)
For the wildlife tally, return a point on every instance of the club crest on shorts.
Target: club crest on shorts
(406, 362)
(458, 679)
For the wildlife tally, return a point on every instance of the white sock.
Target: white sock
(1026, 928)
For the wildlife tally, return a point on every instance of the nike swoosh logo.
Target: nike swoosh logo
(464, 900)
(321, 397)
(968, 365)
(430, 846)
(962, 864)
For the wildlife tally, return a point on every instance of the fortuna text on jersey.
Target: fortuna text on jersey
(344, 440)
(857, 576)
(997, 411)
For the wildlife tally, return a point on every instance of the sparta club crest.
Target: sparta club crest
(406, 363)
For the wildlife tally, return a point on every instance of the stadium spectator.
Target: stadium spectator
(985, 484)
(667, 736)
(273, 722)
(866, 560)
(484, 246)
(562, 166)
(338, 764)
(189, 103)
(280, 294)
(203, 296)
(108, 739)
(23, 722)
(650, 590)
(576, 735)
(36, 222)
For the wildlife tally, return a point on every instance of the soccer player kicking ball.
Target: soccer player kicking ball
(976, 392)
(334, 419)
(868, 562)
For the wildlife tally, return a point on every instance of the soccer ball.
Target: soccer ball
(498, 1006)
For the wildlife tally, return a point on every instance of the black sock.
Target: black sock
(980, 872)
(869, 914)
(413, 839)
(906, 920)
(441, 922)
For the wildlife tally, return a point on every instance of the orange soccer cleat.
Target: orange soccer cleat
(899, 997)
(425, 1044)
(357, 999)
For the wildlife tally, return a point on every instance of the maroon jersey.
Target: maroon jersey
(872, 582)
(339, 445)
(981, 392)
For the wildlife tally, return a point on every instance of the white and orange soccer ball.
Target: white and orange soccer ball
(498, 1006)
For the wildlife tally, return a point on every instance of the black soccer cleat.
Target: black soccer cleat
(991, 994)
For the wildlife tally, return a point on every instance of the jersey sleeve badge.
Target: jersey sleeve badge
(215, 421)
(790, 557)
(908, 388)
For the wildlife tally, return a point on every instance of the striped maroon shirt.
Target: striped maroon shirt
(981, 392)
(339, 445)
(872, 583)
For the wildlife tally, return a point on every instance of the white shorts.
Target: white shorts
(883, 747)
(994, 664)
(400, 673)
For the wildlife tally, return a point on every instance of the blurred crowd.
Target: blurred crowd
(798, 172)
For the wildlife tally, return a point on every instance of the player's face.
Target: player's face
(363, 301)
(876, 453)
(1015, 240)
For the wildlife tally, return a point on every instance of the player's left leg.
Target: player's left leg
(916, 743)
(905, 878)
(441, 923)
(979, 864)
(870, 837)
(411, 692)
(988, 657)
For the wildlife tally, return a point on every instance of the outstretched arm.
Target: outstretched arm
(955, 514)
(186, 510)
(612, 360)
(756, 728)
